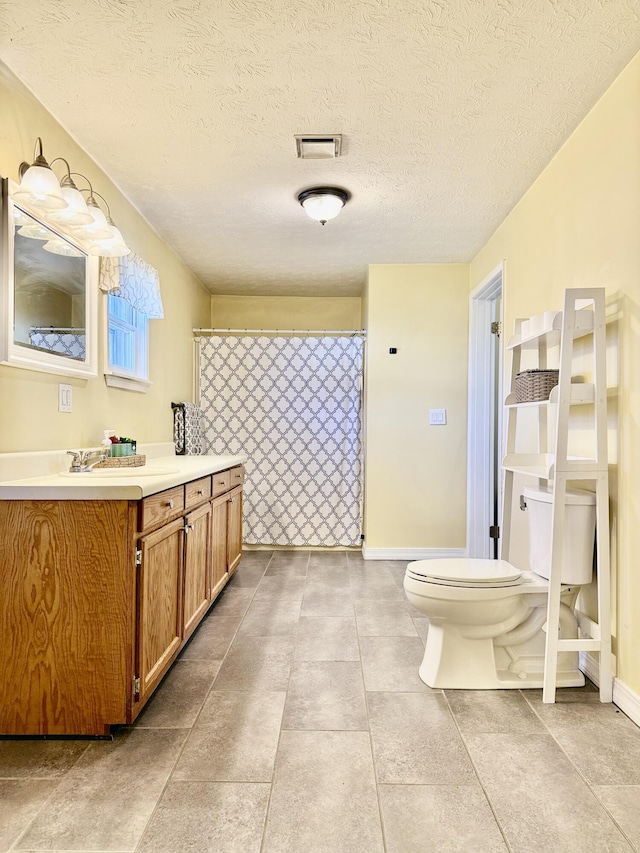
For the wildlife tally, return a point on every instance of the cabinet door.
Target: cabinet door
(234, 529)
(219, 561)
(197, 582)
(159, 598)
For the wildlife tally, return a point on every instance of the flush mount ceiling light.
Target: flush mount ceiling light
(323, 203)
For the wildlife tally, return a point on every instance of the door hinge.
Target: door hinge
(139, 557)
(136, 686)
(494, 532)
(496, 328)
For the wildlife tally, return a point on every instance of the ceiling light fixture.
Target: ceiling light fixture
(323, 203)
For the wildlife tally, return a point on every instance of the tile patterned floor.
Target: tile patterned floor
(295, 722)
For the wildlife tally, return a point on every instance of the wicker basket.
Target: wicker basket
(122, 462)
(535, 385)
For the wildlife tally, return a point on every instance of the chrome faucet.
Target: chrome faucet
(81, 462)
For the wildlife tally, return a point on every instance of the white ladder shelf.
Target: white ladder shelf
(557, 467)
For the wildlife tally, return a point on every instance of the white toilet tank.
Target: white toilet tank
(579, 532)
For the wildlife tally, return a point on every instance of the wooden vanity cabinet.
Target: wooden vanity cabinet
(219, 540)
(210, 551)
(99, 597)
(158, 633)
(197, 568)
(226, 532)
(67, 615)
(234, 529)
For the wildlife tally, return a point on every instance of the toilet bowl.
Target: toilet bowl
(487, 618)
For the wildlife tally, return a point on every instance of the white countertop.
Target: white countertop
(135, 484)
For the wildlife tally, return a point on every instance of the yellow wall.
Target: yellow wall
(285, 312)
(579, 226)
(415, 488)
(29, 418)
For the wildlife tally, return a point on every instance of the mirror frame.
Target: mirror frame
(34, 359)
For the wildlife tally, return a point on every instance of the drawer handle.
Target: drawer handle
(238, 476)
(221, 483)
(188, 527)
(169, 504)
(200, 492)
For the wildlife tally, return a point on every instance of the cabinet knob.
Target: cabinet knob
(200, 491)
(169, 504)
(188, 527)
(233, 500)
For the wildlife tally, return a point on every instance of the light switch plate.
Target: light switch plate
(437, 417)
(65, 398)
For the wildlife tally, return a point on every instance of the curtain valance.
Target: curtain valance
(134, 280)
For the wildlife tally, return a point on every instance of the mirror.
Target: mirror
(49, 298)
(49, 289)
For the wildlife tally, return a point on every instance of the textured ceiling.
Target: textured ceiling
(449, 109)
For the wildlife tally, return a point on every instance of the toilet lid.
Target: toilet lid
(466, 572)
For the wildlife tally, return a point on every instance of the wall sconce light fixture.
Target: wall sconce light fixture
(38, 184)
(62, 204)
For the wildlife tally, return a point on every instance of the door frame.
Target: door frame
(480, 437)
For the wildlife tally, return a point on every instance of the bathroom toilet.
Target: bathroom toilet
(487, 618)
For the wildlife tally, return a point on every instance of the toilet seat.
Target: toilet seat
(466, 573)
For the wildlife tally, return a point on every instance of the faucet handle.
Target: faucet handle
(76, 462)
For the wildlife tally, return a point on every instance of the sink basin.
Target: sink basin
(141, 471)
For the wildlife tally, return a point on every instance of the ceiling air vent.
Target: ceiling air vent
(318, 146)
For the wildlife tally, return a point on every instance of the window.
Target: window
(128, 346)
(133, 298)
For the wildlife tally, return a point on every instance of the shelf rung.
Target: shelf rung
(582, 393)
(579, 645)
(587, 625)
(550, 328)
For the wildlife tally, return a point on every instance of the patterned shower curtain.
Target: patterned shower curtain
(294, 406)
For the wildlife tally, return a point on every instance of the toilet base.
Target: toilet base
(454, 662)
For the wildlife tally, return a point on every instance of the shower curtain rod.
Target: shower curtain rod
(328, 332)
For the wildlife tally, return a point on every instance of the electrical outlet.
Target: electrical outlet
(65, 398)
(437, 417)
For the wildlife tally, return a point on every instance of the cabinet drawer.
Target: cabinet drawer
(236, 476)
(157, 509)
(221, 483)
(197, 491)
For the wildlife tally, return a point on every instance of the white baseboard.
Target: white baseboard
(623, 696)
(589, 665)
(407, 554)
(626, 700)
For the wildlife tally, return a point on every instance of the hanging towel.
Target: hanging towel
(187, 429)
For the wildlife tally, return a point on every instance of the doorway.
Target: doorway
(484, 445)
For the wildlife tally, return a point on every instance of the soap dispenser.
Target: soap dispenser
(106, 441)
